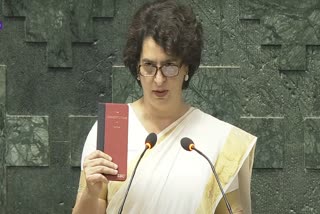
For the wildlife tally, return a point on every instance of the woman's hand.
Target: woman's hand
(95, 167)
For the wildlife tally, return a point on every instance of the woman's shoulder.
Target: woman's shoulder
(210, 123)
(206, 118)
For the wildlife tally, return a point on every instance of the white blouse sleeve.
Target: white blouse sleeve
(234, 185)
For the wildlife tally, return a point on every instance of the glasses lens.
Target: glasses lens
(170, 70)
(147, 70)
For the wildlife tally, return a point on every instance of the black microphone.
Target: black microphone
(188, 145)
(150, 142)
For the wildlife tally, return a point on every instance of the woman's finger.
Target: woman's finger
(96, 178)
(99, 162)
(100, 170)
(98, 154)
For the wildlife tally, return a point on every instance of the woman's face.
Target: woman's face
(159, 90)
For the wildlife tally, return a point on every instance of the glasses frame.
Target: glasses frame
(159, 68)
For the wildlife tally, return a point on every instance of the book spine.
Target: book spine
(101, 126)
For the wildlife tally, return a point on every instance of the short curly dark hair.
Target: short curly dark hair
(173, 26)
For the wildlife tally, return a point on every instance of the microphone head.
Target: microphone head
(151, 140)
(187, 143)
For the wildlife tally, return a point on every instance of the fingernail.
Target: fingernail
(115, 166)
(115, 172)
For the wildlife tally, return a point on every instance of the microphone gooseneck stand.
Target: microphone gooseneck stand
(150, 142)
(133, 173)
(217, 179)
(188, 145)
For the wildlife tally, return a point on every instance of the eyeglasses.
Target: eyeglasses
(168, 70)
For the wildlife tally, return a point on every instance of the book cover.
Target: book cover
(113, 136)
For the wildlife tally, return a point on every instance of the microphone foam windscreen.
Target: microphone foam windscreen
(151, 139)
(185, 143)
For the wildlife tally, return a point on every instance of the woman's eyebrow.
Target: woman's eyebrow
(148, 61)
(170, 60)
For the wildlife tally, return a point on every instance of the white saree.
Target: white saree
(172, 180)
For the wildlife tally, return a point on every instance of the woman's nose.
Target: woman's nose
(159, 78)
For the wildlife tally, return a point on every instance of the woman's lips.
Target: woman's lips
(160, 93)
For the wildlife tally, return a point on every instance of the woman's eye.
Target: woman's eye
(147, 64)
(170, 64)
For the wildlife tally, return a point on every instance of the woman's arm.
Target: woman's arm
(92, 193)
(235, 203)
(86, 203)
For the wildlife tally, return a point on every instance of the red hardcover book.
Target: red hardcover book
(113, 136)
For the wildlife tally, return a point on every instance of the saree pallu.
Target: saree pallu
(172, 180)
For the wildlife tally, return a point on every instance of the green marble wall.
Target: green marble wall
(260, 71)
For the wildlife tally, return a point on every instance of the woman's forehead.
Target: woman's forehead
(152, 52)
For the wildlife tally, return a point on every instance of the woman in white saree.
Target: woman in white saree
(163, 51)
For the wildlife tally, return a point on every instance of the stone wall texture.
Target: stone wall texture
(58, 58)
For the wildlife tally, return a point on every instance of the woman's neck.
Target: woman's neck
(157, 119)
(163, 112)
